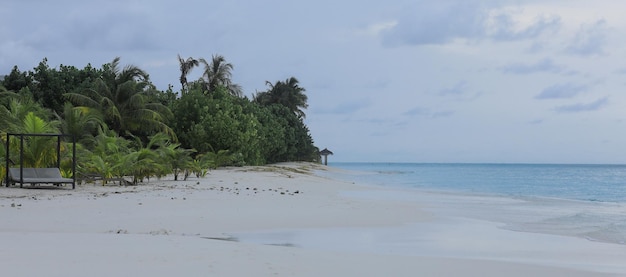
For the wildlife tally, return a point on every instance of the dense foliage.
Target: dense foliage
(126, 127)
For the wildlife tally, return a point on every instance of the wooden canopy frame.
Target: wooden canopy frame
(41, 175)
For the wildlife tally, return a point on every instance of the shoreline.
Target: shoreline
(161, 229)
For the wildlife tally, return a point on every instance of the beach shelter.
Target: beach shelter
(325, 153)
(49, 175)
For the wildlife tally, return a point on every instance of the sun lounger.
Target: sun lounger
(39, 176)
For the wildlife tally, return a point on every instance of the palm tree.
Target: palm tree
(121, 96)
(37, 151)
(152, 159)
(80, 122)
(20, 114)
(14, 109)
(219, 73)
(178, 159)
(185, 68)
(287, 93)
(106, 155)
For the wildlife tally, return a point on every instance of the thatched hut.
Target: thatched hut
(325, 152)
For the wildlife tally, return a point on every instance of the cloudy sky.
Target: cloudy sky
(533, 81)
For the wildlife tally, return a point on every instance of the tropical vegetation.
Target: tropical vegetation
(127, 129)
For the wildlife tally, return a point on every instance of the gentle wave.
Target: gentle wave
(598, 183)
(587, 201)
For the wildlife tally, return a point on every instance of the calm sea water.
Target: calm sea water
(584, 201)
(587, 201)
(604, 183)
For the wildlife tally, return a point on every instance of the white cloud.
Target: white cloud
(436, 23)
(589, 40)
(544, 65)
(567, 90)
(505, 26)
(376, 28)
(583, 107)
(441, 22)
(458, 89)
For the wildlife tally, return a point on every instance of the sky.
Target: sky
(505, 81)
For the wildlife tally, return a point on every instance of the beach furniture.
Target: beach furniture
(30, 175)
(38, 176)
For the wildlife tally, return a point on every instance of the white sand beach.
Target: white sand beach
(280, 220)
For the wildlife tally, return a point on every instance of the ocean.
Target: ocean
(570, 201)
(587, 201)
(603, 183)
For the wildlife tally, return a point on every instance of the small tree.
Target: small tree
(107, 156)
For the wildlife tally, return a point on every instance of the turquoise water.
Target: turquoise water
(583, 201)
(587, 201)
(604, 183)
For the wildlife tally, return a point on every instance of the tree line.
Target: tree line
(126, 127)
